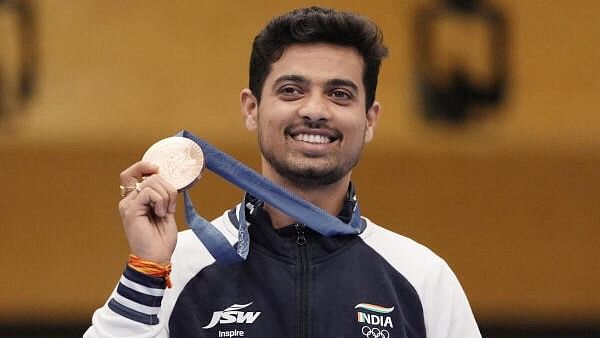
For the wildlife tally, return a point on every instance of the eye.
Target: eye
(341, 94)
(289, 92)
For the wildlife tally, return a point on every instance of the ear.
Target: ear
(249, 109)
(372, 116)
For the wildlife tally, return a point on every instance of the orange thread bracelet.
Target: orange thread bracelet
(150, 268)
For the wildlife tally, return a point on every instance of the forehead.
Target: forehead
(319, 62)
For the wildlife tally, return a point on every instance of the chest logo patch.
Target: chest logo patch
(232, 315)
(374, 316)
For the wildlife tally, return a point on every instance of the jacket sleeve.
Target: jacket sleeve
(446, 308)
(133, 309)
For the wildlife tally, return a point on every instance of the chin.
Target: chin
(312, 177)
(307, 173)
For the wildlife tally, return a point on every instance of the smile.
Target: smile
(310, 138)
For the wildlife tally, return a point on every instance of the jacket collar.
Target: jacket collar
(284, 241)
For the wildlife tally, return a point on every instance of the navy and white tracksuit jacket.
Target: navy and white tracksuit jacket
(294, 283)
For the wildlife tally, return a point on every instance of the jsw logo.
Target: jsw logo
(232, 315)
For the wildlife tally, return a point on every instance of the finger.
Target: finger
(136, 171)
(172, 192)
(167, 188)
(166, 191)
(148, 196)
(172, 195)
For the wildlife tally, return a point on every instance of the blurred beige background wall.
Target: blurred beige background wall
(512, 201)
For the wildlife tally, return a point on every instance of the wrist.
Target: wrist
(150, 268)
(152, 255)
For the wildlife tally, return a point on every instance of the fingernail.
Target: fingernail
(172, 208)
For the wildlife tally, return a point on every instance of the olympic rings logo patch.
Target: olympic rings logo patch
(374, 332)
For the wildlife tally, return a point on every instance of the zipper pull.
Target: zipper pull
(301, 239)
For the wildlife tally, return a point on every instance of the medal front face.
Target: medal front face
(180, 160)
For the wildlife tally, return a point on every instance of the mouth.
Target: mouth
(311, 138)
(314, 136)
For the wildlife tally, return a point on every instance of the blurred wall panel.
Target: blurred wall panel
(511, 201)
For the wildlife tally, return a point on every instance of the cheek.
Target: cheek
(272, 125)
(269, 130)
(356, 130)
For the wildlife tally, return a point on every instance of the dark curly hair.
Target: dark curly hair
(313, 25)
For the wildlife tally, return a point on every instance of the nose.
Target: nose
(314, 108)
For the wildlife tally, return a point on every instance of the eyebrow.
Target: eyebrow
(342, 82)
(293, 78)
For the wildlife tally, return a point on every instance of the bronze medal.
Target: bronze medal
(180, 160)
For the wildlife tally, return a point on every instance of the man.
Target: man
(311, 100)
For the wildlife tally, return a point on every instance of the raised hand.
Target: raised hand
(148, 213)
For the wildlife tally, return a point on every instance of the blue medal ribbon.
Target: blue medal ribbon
(265, 190)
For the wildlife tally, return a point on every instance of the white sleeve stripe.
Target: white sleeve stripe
(141, 288)
(136, 306)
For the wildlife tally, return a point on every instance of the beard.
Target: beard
(306, 175)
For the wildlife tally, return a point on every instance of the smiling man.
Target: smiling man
(312, 120)
(311, 101)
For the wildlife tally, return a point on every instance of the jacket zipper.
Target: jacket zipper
(301, 242)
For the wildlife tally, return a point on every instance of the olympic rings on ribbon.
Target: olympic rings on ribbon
(374, 332)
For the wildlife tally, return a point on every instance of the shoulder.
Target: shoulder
(446, 308)
(420, 265)
(396, 248)
(190, 257)
(190, 254)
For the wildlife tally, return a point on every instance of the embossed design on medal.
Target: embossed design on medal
(179, 159)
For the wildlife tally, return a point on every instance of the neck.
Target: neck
(329, 198)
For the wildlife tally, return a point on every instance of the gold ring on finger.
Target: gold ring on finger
(126, 190)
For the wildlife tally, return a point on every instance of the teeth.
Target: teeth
(312, 138)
